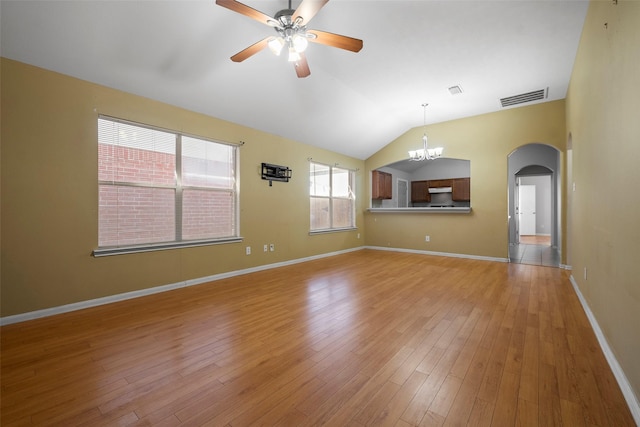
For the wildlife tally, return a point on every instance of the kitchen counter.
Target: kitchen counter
(461, 209)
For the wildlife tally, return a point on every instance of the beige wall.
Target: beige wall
(50, 195)
(603, 118)
(49, 190)
(486, 140)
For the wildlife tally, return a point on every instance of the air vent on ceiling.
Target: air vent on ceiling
(524, 97)
(455, 90)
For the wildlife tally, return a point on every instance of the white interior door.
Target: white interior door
(527, 210)
(403, 193)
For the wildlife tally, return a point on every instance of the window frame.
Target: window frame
(331, 197)
(178, 199)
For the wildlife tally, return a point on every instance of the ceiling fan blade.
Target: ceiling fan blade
(251, 50)
(302, 66)
(247, 11)
(307, 10)
(336, 40)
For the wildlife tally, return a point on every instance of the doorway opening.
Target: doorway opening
(534, 234)
(533, 222)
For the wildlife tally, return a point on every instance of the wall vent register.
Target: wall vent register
(523, 98)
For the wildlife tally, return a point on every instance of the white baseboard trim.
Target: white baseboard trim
(7, 320)
(447, 254)
(623, 382)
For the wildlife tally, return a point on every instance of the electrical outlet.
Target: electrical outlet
(358, 235)
(427, 238)
(272, 247)
(585, 273)
(248, 250)
(266, 248)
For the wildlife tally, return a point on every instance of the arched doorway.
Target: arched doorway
(534, 205)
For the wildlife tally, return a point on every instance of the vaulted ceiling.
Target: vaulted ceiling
(352, 103)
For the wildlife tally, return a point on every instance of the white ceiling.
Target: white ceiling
(352, 103)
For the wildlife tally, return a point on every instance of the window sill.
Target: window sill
(100, 252)
(332, 230)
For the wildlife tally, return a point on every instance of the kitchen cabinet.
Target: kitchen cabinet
(461, 190)
(420, 192)
(381, 185)
(439, 183)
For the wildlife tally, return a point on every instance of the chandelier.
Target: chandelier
(425, 153)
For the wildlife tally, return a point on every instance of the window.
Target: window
(332, 198)
(158, 187)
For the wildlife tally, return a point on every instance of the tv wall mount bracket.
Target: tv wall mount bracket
(272, 173)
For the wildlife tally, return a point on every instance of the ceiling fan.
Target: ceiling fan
(291, 32)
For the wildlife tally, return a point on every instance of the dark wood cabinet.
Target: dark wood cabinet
(381, 185)
(439, 183)
(461, 190)
(420, 192)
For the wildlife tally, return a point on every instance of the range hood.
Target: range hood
(434, 190)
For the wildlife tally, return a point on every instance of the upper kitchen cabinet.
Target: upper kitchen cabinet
(461, 190)
(440, 183)
(381, 185)
(420, 192)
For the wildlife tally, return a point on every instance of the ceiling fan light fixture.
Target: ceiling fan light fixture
(291, 32)
(293, 55)
(299, 42)
(276, 44)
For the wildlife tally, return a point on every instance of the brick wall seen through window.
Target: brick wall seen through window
(150, 194)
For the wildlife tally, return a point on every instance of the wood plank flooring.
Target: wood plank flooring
(361, 339)
(535, 240)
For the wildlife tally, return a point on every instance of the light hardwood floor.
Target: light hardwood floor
(535, 240)
(364, 338)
